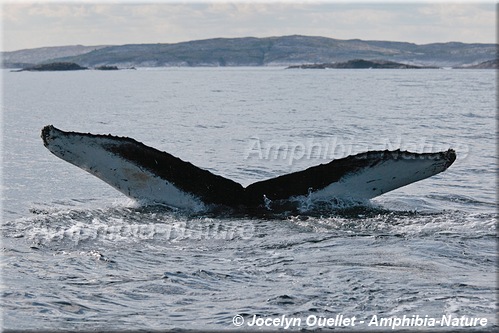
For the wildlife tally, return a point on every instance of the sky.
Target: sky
(51, 23)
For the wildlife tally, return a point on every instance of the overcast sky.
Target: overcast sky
(28, 25)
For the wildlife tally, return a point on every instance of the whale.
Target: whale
(147, 174)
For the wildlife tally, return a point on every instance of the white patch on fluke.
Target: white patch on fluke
(381, 178)
(91, 155)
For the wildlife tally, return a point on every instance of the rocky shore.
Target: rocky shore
(360, 63)
(55, 66)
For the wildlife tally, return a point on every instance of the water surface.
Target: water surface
(79, 255)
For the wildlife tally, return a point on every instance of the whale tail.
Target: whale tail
(145, 173)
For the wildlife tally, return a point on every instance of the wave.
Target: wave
(132, 223)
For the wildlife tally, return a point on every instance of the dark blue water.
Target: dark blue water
(78, 255)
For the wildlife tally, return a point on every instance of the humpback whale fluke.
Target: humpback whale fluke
(145, 173)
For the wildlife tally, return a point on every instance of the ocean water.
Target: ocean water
(78, 255)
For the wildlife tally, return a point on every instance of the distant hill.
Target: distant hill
(491, 64)
(270, 51)
(30, 57)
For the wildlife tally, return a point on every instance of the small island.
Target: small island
(106, 68)
(359, 63)
(63, 66)
(54, 66)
